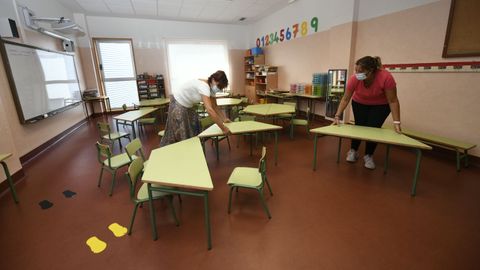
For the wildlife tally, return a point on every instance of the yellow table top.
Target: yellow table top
(4, 156)
(180, 164)
(381, 135)
(221, 94)
(269, 109)
(228, 101)
(154, 102)
(135, 115)
(239, 128)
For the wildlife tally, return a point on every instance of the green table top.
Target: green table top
(154, 102)
(135, 115)
(221, 94)
(228, 101)
(269, 109)
(4, 156)
(180, 164)
(381, 135)
(239, 128)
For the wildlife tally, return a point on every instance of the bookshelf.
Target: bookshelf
(250, 61)
(150, 86)
(266, 79)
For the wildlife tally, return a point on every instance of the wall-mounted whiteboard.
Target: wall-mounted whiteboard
(43, 82)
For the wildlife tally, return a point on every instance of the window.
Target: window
(195, 59)
(118, 71)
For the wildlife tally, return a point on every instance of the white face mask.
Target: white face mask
(361, 76)
(214, 89)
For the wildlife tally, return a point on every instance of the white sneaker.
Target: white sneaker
(352, 155)
(369, 164)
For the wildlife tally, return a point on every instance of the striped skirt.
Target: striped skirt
(182, 123)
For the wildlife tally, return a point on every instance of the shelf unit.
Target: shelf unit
(150, 87)
(249, 63)
(337, 81)
(266, 79)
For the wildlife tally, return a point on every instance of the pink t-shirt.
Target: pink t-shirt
(375, 93)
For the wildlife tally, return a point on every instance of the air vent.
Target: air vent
(242, 19)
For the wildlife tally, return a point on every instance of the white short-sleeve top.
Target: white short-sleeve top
(190, 93)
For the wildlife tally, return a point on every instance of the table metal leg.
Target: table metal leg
(465, 153)
(458, 160)
(116, 125)
(152, 213)
(207, 220)
(133, 130)
(386, 159)
(216, 148)
(417, 171)
(276, 147)
(339, 148)
(10, 182)
(315, 152)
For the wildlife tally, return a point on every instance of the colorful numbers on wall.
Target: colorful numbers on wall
(297, 30)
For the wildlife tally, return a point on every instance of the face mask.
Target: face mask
(214, 89)
(361, 76)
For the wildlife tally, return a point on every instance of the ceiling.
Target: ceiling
(217, 11)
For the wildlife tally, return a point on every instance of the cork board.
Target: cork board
(463, 31)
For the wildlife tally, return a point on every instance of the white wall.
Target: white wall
(150, 34)
(373, 8)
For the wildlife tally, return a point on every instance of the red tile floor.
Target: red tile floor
(342, 216)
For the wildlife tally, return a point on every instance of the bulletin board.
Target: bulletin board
(463, 32)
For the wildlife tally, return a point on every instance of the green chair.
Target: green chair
(145, 121)
(134, 172)
(3, 157)
(251, 178)
(299, 122)
(245, 117)
(110, 163)
(135, 148)
(107, 135)
(207, 122)
(287, 116)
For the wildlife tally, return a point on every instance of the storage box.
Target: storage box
(257, 51)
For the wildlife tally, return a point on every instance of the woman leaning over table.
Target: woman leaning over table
(374, 95)
(182, 121)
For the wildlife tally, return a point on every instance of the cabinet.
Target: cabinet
(150, 86)
(337, 81)
(266, 79)
(249, 63)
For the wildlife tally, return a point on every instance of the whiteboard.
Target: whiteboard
(43, 82)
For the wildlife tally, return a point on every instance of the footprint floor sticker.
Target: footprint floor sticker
(117, 229)
(68, 193)
(96, 245)
(45, 204)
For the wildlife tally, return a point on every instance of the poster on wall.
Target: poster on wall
(288, 33)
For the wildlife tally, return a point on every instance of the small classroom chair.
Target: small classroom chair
(133, 174)
(207, 122)
(3, 157)
(299, 122)
(251, 178)
(148, 121)
(107, 135)
(110, 162)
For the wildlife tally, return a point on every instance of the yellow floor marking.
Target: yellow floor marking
(96, 245)
(117, 229)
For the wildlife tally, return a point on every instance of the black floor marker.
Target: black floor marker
(45, 204)
(69, 193)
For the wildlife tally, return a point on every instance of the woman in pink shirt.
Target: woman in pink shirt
(374, 93)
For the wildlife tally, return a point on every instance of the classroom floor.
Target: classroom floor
(342, 216)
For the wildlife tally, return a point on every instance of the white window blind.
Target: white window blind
(195, 59)
(118, 72)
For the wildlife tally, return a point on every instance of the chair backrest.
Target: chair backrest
(124, 107)
(134, 172)
(244, 100)
(104, 129)
(262, 164)
(104, 153)
(133, 147)
(206, 122)
(246, 117)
